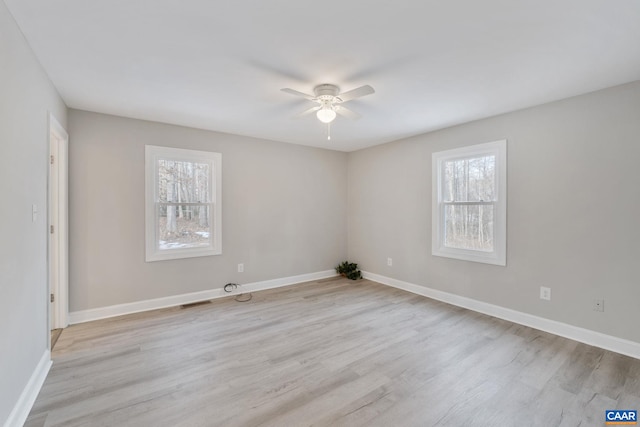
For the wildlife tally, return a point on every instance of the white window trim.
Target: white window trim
(499, 254)
(152, 155)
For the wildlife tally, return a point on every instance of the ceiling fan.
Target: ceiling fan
(330, 100)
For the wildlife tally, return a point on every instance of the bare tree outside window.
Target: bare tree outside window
(469, 203)
(183, 205)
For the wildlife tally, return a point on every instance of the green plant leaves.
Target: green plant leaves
(349, 270)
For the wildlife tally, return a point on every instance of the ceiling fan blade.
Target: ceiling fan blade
(345, 112)
(307, 112)
(356, 93)
(296, 93)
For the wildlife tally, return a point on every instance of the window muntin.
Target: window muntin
(183, 203)
(469, 203)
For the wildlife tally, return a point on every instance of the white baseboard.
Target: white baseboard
(28, 397)
(172, 301)
(597, 339)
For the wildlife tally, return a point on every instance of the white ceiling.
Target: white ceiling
(220, 65)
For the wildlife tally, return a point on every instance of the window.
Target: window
(470, 203)
(183, 203)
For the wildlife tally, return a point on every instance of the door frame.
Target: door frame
(58, 218)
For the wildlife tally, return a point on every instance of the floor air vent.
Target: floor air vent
(195, 304)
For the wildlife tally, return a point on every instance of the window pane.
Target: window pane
(469, 227)
(186, 182)
(469, 180)
(181, 226)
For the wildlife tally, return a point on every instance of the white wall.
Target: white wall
(26, 97)
(284, 211)
(573, 211)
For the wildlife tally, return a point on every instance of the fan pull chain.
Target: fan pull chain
(328, 131)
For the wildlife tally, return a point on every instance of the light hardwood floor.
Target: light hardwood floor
(55, 334)
(333, 352)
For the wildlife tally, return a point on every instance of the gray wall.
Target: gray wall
(573, 211)
(26, 97)
(284, 211)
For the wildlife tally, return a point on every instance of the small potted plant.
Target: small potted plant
(349, 270)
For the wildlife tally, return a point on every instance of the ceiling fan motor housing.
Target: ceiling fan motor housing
(326, 91)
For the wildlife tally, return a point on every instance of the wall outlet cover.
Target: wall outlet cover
(545, 293)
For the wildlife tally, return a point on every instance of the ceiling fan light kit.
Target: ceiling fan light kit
(326, 114)
(329, 98)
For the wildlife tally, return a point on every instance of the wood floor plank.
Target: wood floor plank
(327, 353)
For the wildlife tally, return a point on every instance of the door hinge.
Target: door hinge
(53, 298)
(51, 229)
(51, 159)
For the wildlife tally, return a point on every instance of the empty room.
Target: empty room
(409, 213)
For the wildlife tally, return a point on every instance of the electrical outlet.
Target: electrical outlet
(545, 293)
(598, 305)
(389, 262)
(240, 268)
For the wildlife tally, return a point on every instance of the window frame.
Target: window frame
(155, 153)
(499, 254)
